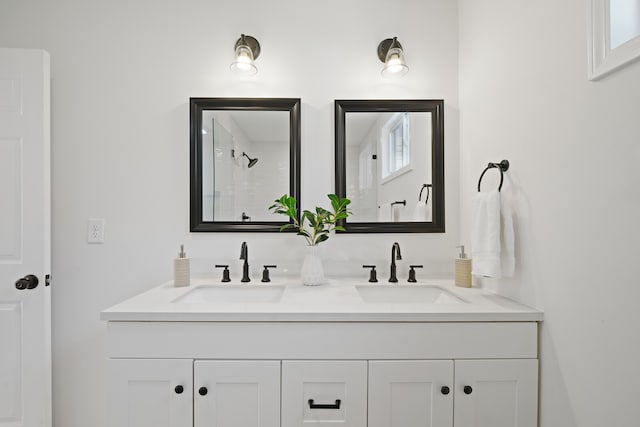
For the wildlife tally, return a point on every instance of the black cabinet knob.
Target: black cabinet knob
(445, 390)
(202, 391)
(467, 389)
(179, 389)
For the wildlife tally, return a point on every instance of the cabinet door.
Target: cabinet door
(496, 393)
(242, 393)
(411, 393)
(149, 393)
(324, 393)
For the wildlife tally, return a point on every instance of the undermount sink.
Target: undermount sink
(406, 294)
(225, 294)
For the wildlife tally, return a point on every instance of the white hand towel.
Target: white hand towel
(507, 238)
(485, 234)
(389, 212)
(492, 236)
(395, 212)
(385, 212)
(422, 212)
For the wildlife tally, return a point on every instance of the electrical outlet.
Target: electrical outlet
(95, 230)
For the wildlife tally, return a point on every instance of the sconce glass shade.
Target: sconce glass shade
(390, 52)
(247, 49)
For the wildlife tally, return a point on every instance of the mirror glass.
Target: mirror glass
(389, 162)
(245, 154)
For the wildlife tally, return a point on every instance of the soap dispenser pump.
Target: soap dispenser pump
(462, 269)
(181, 269)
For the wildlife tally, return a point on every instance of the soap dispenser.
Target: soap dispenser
(181, 269)
(462, 269)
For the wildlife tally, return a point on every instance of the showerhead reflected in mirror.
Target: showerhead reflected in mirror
(252, 162)
(229, 136)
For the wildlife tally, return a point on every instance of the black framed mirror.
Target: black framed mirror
(390, 162)
(245, 153)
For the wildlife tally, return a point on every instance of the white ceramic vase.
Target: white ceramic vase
(312, 273)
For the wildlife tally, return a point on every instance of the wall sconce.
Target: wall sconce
(247, 49)
(390, 52)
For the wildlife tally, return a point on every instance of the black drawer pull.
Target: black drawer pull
(324, 405)
(467, 389)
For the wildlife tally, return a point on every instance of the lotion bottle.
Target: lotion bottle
(462, 269)
(181, 269)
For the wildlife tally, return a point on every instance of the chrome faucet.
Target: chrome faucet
(395, 255)
(244, 255)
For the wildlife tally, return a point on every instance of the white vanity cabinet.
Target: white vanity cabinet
(385, 374)
(320, 357)
(423, 393)
(160, 393)
(319, 393)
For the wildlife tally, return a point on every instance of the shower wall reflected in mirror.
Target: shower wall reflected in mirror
(245, 158)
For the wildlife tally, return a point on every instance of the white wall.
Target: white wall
(122, 74)
(574, 147)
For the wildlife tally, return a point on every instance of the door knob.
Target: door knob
(179, 389)
(27, 282)
(467, 389)
(445, 390)
(202, 391)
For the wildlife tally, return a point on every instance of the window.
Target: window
(624, 21)
(395, 145)
(614, 35)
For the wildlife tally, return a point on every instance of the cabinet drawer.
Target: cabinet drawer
(324, 393)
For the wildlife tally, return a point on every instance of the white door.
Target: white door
(25, 318)
(236, 393)
(149, 393)
(411, 393)
(319, 393)
(496, 393)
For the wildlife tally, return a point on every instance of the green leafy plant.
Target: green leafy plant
(319, 224)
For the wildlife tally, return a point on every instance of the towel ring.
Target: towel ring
(503, 166)
(426, 200)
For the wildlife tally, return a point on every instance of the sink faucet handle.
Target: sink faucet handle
(373, 276)
(225, 272)
(265, 273)
(412, 273)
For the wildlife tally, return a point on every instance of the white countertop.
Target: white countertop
(336, 301)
